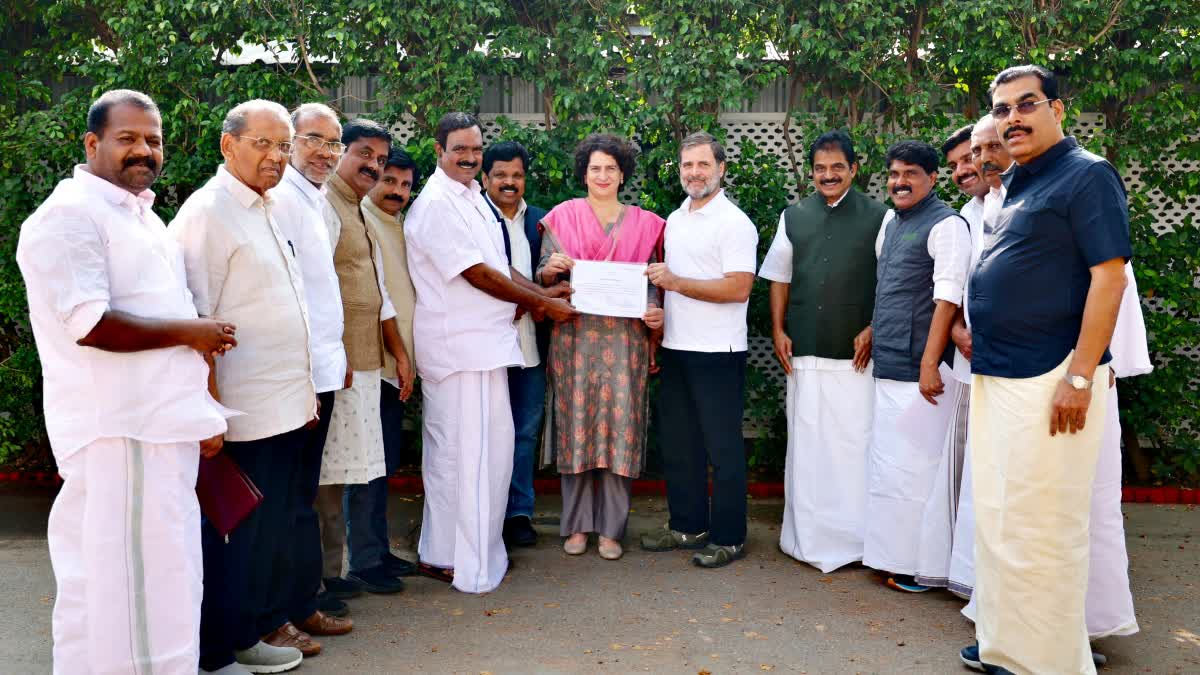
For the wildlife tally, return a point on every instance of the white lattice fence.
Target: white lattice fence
(766, 130)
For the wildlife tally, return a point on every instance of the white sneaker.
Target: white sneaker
(234, 668)
(265, 658)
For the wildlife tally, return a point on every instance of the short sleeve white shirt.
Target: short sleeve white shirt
(89, 248)
(240, 269)
(706, 244)
(457, 327)
(949, 245)
(299, 212)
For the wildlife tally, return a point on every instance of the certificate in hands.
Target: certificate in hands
(609, 288)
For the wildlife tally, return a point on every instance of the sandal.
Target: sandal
(443, 574)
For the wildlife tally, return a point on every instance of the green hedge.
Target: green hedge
(652, 70)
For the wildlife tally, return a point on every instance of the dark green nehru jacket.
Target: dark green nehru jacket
(832, 292)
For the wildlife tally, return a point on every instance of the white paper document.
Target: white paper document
(609, 288)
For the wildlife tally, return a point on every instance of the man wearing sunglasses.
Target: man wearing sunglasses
(1044, 300)
(241, 268)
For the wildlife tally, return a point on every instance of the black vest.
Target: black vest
(833, 286)
(904, 292)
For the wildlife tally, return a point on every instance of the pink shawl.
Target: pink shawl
(582, 237)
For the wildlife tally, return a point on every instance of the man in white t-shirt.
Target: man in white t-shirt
(711, 249)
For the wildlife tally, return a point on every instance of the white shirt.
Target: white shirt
(457, 327)
(92, 247)
(522, 261)
(973, 212)
(949, 245)
(708, 243)
(777, 266)
(240, 269)
(299, 212)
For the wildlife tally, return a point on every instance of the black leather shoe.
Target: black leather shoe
(397, 566)
(342, 589)
(377, 580)
(331, 605)
(518, 531)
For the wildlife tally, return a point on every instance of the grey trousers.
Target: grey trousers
(595, 501)
(333, 529)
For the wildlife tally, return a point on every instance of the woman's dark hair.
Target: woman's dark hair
(614, 146)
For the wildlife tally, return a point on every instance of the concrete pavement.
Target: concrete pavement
(656, 612)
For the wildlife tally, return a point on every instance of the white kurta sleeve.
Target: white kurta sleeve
(452, 248)
(777, 266)
(65, 260)
(387, 311)
(887, 219)
(950, 247)
(333, 225)
(1130, 352)
(207, 247)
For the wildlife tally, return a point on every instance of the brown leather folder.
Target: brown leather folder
(226, 493)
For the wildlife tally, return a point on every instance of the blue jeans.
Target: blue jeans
(527, 394)
(365, 506)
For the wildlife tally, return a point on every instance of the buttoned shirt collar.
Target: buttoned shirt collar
(111, 192)
(315, 195)
(454, 186)
(839, 200)
(1035, 165)
(241, 192)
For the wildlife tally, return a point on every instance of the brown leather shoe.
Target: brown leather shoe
(288, 635)
(321, 623)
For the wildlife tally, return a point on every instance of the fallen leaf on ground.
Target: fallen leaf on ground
(551, 605)
(766, 666)
(820, 627)
(616, 646)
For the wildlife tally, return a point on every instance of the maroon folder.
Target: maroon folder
(226, 493)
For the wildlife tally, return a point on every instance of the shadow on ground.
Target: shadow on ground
(655, 612)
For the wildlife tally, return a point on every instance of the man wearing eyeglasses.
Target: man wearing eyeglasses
(301, 200)
(241, 268)
(354, 451)
(1044, 300)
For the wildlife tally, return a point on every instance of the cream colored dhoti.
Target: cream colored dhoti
(1033, 494)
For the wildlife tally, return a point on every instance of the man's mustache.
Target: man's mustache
(396, 198)
(1014, 129)
(468, 165)
(370, 172)
(962, 178)
(988, 167)
(147, 162)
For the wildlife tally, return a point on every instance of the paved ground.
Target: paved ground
(655, 612)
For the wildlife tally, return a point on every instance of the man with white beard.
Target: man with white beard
(711, 255)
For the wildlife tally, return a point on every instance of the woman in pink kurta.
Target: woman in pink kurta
(598, 365)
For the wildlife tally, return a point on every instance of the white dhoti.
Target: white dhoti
(1108, 608)
(939, 519)
(907, 444)
(1109, 605)
(354, 447)
(124, 536)
(829, 413)
(466, 465)
(1033, 494)
(962, 554)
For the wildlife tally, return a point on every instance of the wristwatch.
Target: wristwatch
(1078, 382)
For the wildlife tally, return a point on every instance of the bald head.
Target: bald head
(256, 141)
(988, 153)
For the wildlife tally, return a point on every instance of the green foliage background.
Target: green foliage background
(651, 70)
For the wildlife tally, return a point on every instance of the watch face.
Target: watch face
(1079, 382)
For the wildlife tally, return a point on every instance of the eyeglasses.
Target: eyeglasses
(266, 144)
(1002, 111)
(316, 143)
